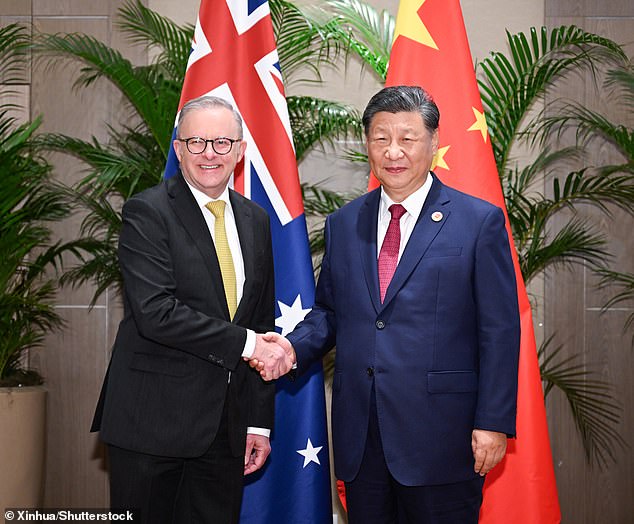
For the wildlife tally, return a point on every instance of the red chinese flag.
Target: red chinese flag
(431, 50)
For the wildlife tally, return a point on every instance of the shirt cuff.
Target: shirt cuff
(259, 431)
(249, 345)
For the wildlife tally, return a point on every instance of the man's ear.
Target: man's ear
(434, 142)
(243, 148)
(177, 149)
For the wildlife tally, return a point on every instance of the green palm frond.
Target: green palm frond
(143, 26)
(320, 202)
(368, 33)
(625, 283)
(305, 41)
(588, 124)
(574, 242)
(353, 155)
(510, 87)
(14, 43)
(620, 81)
(524, 180)
(144, 88)
(596, 188)
(595, 412)
(316, 121)
(109, 170)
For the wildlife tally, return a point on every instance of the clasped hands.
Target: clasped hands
(273, 355)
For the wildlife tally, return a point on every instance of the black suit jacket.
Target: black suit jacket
(168, 378)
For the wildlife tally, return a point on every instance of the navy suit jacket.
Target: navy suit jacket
(442, 349)
(168, 378)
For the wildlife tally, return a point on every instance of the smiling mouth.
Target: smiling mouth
(208, 167)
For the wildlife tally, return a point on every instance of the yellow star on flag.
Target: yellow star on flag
(409, 24)
(439, 159)
(480, 124)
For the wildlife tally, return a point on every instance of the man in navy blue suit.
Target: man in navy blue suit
(417, 291)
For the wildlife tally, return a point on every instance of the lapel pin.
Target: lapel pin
(436, 216)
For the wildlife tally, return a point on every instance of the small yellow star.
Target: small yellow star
(409, 24)
(439, 159)
(480, 124)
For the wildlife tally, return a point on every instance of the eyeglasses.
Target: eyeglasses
(221, 145)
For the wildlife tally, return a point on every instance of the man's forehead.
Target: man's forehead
(402, 119)
(205, 115)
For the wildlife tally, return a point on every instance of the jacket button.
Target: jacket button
(370, 372)
(380, 324)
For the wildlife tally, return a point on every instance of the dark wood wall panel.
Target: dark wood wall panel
(74, 364)
(573, 304)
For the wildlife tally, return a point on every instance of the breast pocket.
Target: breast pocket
(449, 251)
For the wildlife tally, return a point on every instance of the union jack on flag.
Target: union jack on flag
(234, 56)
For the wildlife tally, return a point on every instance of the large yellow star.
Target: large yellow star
(439, 159)
(480, 124)
(409, 24)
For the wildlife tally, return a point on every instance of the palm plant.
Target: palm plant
(134, 157)
(28, 201)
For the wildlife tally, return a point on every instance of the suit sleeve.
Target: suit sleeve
(262, 402)
(495, 290)
(151, 292)
(315, 335)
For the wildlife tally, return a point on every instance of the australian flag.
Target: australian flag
(234, 56)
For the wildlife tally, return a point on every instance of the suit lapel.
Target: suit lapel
(366, 229)
(186, 209)
(422, 236)
(245, 226)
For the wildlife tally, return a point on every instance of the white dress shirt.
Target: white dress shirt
(413, 205)
(238, 263)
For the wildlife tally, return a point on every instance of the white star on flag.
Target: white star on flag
(310, 453)
(290, 316)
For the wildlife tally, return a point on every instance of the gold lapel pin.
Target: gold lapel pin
(436, 216)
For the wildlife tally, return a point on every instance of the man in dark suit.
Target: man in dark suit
(184, 416)
(417, 291)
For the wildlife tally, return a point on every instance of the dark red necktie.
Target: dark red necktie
(388, 256)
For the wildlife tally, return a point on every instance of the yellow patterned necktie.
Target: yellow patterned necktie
(224, 255)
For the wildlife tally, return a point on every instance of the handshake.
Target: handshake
(273, 355)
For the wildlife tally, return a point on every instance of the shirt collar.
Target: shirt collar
(202, 200)
(413, 204)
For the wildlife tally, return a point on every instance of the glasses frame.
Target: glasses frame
(210, 141)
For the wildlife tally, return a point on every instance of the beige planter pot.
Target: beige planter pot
(22, 446)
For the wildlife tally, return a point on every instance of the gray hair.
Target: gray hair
(208, 102)
(398, 99)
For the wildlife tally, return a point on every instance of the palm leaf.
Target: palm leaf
(367, 33)
(320, 202)
(574, 242)
(305, 41)
(316, 121)
(624, 281)
(142, 87)
(146, 27)
(595, 411)
(510, 87)
(14, 44)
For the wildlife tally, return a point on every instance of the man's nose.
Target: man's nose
(393, 151)
(209, 152)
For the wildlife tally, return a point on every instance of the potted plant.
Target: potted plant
(28, 201)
